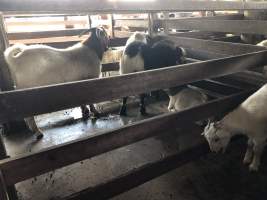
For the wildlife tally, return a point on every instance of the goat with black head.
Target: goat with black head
(40, 65)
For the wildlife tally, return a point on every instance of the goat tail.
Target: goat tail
(14, 51)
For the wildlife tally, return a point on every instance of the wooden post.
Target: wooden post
(112, 26)
(253, 15)
(166, 27)
(11, 190)
(3, 188)
(151, 23)
(89, 21)
(3, 38)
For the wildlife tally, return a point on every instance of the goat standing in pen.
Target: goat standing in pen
(250, 119)
(144, 53)
(40, 65)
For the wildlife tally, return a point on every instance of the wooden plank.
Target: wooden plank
(143, 23)
(232, 39)
(122, 34)
(198, 54)
(33, 164)
(232, 81)
(3, 188)
(216, 87)
(253, 78)
(140, 175)
(198, 34)
(226, 26)
(22, 103)
(5, 83)
(226, 48)
(64, 42)
(43, 34)
(107, 67)
(39, 6)
(47, 23)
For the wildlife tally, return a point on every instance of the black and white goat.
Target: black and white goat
(144, 53)
(39, 65)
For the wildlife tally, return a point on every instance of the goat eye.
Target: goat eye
(216, 140)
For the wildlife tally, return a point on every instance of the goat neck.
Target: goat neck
(94, 43)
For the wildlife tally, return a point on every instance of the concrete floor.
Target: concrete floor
(211, 177)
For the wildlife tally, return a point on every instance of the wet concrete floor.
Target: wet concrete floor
(210, 177)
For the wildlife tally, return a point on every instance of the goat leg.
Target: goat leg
(31, 123)
(142, 104)
(249, 153)
(94, 111)
(85, 112)
(123, 110)
(257, 150)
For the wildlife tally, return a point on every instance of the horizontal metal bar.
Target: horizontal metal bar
(28, 102)
(78, 6)
(32, 164)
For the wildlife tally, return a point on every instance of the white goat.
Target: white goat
(185, 97)
(39, 65)
(249, 119)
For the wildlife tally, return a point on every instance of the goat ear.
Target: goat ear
(218, 125)
(85, 32)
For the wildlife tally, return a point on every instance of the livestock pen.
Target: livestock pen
(219, 63)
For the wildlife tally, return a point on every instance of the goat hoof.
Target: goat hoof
(85, 115)
(253, 168)
(143, 111)
(246, 161)
(96, 115)
(39, 136)
(123, 112)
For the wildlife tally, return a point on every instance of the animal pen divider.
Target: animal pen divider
(209, 60)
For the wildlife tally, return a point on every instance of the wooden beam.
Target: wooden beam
(226, 26)
(232, 39)
(22, 103)
(232, 81)
(5, 83)
(33, 164)
(226, 48)
(47, 23)
(253, 78)
(198, 34)
(143, 23)
(84, 6)
(107, 67)
(216, 87)
(3, 188)
(43, 34)
(140, 175)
